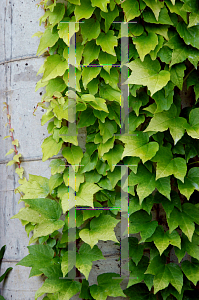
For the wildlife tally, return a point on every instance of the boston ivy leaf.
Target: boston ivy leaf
(139, 146)
(91, 52)
(85, 194)
(107, 129)
(164, 187)
(35, 187)
(135, 121)
(145, 43)
(177, 9)
(85, 10)
(183, 220)
(55, 85)
(88, 162)
(108, 93)
(177, 75)
(47, 207)
(163, 17)
(102, 4)
(155, 7)
(139, 292)
(63, 133)
(104, 148)
(107, 41)
(193, 128)
(112, 79)
(181, 51)
(48, 39)
(148, 73)
(47, 227)
(137, 271)
(107, 286)
(57, 14)
(64, 33)
(167, 165)
(88, 74)
(193, 19)
(168, 119)
(85, 258)
(188, 34)
(107, 60)
(101, 228)
(191, 182)
(191, 271)
(141, 222)
(87, 118)
(90, 29)
(154, 52)
(54, 66)
(66, 288)
(131, 9)
(54, 181)
(73, 154)
(40, 257)
(109, 17)
(28, 214)
(163, 239)
(175, 276)
(114, 156)
(145, 181)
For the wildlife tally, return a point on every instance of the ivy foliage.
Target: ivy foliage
(161, 147)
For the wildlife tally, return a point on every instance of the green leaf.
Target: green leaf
(4, 275)
(177, 75)
(90, 29)
(50, 147)
(102, 4)
(145, 181)
(114, 156)
(54, 66)
(104, 148)
(101, 228)
(88, 163)
(107, 60)
(193, 19)
(28, 214)
(35, 187)
(168, 119)
(131, 9)
(184, 221)
(145, 43)
(55, 85)
(57, 166)
(181, 51)
(57, 14)
(163, 17)
(47, 227)
(193, 128)
(163, 239)
(191, 182)
(75, 184)
(66, 288)
(155, 7)
(106, 287)
(107, 41)
(177, 9)
(85, 194)
(48, 39)
(63, 133)
(47, 207)
(191, 271)
(73, 155)
(88, 74)
(112, 79)
(141, 222)
(84, 259)
(137, 271)
(167, 165)
(188, 34)
(108, 93)
(91, 52)
(175, 276)
(139, 146)
(54, 181)
(148, 73)
(107, 129)
(85, 10)
(164, 187)
(109, 17)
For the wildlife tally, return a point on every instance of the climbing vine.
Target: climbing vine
(161, 148)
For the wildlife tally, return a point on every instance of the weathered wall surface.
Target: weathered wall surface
(18, 68)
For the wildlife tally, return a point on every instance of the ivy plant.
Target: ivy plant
(161, 148)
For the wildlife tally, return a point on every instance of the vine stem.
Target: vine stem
(12, 137)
